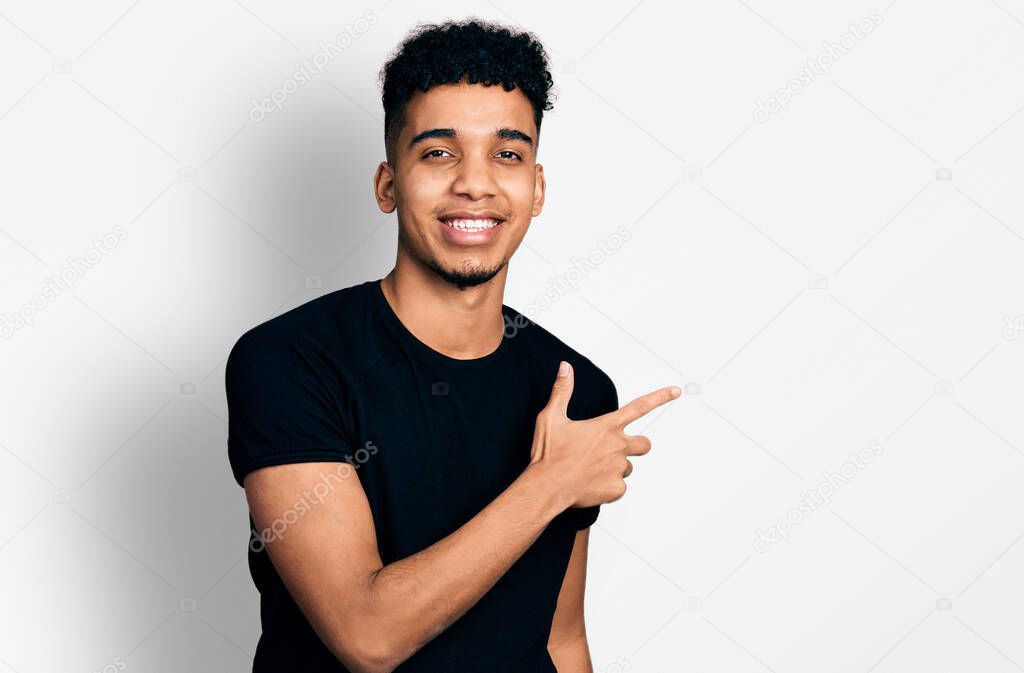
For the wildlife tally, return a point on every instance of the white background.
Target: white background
(847, 270)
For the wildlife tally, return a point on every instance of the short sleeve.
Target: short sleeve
(279, 410)
(608, 400)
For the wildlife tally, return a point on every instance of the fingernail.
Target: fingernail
(563, 368)
(675, 391)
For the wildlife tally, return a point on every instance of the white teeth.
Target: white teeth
(472, 225)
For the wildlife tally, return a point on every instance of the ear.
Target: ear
(539, 187)
(384, 187)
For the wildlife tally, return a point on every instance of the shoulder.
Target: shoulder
(328, 330)
(593, 386)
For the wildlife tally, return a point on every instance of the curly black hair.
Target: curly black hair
(481, 51)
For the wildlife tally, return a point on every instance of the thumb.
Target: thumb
(561, 391)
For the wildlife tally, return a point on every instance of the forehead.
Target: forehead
(470, 109)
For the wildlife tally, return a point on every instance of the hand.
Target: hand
(587, 460)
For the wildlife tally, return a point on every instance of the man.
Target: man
(420, 482)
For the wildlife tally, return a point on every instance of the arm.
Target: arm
(567, 643)
(372, 617)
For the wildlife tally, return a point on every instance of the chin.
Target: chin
(464, 275)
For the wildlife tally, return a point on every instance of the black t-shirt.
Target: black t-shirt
(433, 440)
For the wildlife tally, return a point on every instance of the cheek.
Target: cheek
(423, 186)
(421, 199)
(418, 201)
(520, 195)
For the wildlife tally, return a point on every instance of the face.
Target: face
(465, 158)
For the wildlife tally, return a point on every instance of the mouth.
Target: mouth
(471, 225)
(466, 232)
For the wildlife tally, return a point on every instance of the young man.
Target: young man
(419, 480)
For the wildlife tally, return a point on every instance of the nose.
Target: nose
(474, 177)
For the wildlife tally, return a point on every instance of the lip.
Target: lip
(469, 238)
(472, 215)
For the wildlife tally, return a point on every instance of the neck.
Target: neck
(462, 324)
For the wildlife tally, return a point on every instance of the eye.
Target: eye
(512, 153)
(431, 154)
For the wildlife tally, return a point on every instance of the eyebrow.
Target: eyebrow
(503, 133)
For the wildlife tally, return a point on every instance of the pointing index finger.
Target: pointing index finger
(644, 404)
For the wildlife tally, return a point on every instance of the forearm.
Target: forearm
(414, 599)
(572, 656)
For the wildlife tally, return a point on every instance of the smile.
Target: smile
(472, 225)
(464, 232)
